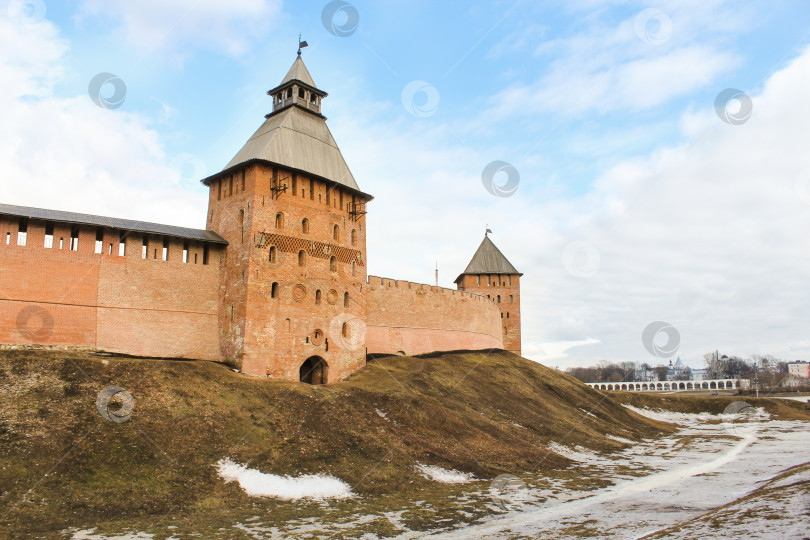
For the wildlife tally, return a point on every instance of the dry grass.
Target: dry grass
(484, 413)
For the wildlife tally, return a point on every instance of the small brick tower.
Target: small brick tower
(490, 274)
(292, 293)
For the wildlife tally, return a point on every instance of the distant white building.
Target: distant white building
(700, 374)
(799, 369)
(678, 370)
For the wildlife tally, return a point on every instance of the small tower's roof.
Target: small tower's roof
(299, 72)
(488, 259)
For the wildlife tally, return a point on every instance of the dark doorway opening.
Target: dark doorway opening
(313, 370)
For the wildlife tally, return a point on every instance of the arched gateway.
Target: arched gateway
(313, 370)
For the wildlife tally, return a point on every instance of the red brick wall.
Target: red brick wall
(270, 336)
(504, 290)
(413, 318)
(108, 302)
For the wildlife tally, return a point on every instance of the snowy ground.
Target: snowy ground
(695, 480)
(721, 463)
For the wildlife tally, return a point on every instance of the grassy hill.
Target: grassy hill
(63, 465)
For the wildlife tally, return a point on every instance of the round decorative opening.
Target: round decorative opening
(332, 296)
(317, 337)
(299, 292)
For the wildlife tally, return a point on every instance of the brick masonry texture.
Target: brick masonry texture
(126, 304)
(504, 290)
(290, 286)
(412, 318)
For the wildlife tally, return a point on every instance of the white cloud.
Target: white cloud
(68, 153)
(708, 235)
(607, 66)
(175, 25)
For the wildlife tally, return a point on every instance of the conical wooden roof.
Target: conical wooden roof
(299, 72)
(488, 259)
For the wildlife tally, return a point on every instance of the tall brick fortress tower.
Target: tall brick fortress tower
(492, 275)
(292, 292)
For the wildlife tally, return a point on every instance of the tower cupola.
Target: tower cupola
(297, 90)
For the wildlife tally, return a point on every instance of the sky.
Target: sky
(652, 159)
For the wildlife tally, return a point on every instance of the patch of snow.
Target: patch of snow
(750, 414)
(381, 414)
(621, 439)
(579, 454)
(259, 484)
(671, 416)
(589, 413)
(87, 534)
(447, 476)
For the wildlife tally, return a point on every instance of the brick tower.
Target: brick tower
(292, 292)
(490, 274)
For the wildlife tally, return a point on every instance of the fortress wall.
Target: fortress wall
(415, 318)
(125, 304)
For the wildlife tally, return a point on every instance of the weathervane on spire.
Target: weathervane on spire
(488, 231)
(301, 44)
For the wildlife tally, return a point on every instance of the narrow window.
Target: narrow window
(289, 325)
(165, 249)
(333, 264)
(154, 255)
(195, 258)
(145, 248)
(312, 189)
(317, 297)
(354, 268)
(22, 233)
(345, 300)
(354, 237)
(501, 314)
(49, 235)
(301, 258)
(241, 225)
(345, 330)
(341, 199)
(294, 185)
(507, 314)
(489, 281)
(511, 299)
(301, 93)
(272, 256)
(122, 245)
(61, 243)
(274, 290)
(499, 298)
(305, 226)
(219, 190)
(279, 221)
(185, 251)
(109, 249)
(230, 185)
(243, 179)
(328, 197)
(205, 254)
(312, 97)
(99, 241)
(509, 280)
(8, 238)
(478, 280)
(74, 238)
(336, 233)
